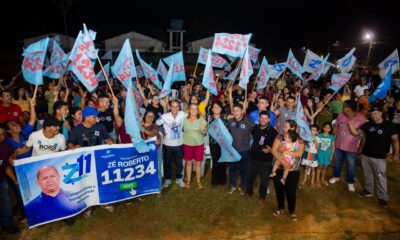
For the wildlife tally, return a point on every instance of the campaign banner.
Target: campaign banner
(61, 185)
(231, 44)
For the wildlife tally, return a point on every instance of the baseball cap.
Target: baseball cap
(51, 121)
(375, 108)
(89, 111)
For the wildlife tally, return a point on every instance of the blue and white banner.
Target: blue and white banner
(216, 60)
(294, 65)
(253, 53)
(178, 66)
(276, 70)
(312, 62)
(221, 135)
(391, 61)
(148, 71)
(208, 77)
(383, 88)
(263, 74)
(124, 67)
(246, 70)
(339, 80)
(32, 65)
(233, 45)
(61, 185)
(304, 129)
(346, 63)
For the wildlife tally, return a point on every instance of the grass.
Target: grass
(327, 213)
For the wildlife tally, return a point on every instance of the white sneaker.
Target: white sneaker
(268, 190)
(351, 187)
(180, 182)
(241, 191)
(167, 183)
(232, 190)
(109, 208)
(334, 180)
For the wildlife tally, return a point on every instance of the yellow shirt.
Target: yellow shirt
(23, 104)
(202, 109)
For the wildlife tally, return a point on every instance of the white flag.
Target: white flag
(391, 60)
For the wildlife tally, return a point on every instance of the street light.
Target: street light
(368, 36)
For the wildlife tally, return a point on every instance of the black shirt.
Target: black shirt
(240, 131)
(261, 139)
(107, 119)
(87, 137)
(377, 139)
(158, 111)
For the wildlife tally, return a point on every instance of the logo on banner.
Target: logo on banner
(77, 171)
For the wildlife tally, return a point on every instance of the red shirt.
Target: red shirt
(13, 112)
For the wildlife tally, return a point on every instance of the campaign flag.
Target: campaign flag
(139, 71)
(216, 60)
(253, 53)
(393, 61)
(55, 39)
(318, 69)
(346, 63)
(263, 74)
(100, 75)
(178, 66)
(275, 70)
(208, 77)
(245, 71)
(58, 55)
(32, 65)
(107, 55)
(326, 68)
(339, 80)
(84, 177)
(301, 120)
(383, 88)
(167, 83)
(124, 66)
(82, 54)
(57, 61)
(162, 70)
(132, 122)
(294, 65)
(312, 62)
(149, 72)
(221, 135)
(232, 75)
(231, 44)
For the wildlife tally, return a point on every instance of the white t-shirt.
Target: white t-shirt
(359, 90)
(42, 145)
(173, 128)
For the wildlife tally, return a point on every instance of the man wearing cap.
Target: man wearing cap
(89, 132)
(45, 141)
(375, 144)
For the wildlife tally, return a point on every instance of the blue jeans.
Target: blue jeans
(243, 168)
(350, 158)
(173, 154)
(5, 204)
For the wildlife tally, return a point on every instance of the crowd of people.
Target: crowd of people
(344, 124)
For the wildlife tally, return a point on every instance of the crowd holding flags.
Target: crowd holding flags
(124, 67)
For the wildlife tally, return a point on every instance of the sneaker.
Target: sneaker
(334, 180)
(141, 199)
(88, 213)
(351, 187)
(383, 203)
(241, 191)
(11, 229)
(272, 175)
(109, 208)
(365, 193)
(232, 190)
(180, 182)
(268, 190)
(167, 183)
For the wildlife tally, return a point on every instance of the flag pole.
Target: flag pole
(105, 75)
(35, 92)
(254, 85)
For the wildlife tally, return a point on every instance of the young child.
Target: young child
(287, 161)
(310, 156)
(325, 152)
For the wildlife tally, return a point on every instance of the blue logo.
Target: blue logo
(82, 167)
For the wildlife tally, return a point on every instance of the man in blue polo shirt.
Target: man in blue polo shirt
(53, 202)
(262, 106)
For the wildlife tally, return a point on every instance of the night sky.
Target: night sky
(276, 26)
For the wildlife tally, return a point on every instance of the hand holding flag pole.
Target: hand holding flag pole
(320, 109)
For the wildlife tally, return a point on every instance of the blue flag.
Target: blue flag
(319, 69)
(208, 77)
(32, 65)
(132, 122)
(233, 45)
(217, 60)
(149, 72)
(81, 58)
(178, 66)
(167, 84)
(276, 70)
(346, 63)
(57, 61)
(263, 74)
(304, 129)
(393, 61)
(107, 55)
(339, 80)
(221, 135)
(294, 65)
(253, 53)
(124, 67)
(245, 71)
(383, 88)
(162, 70)
(100, 75)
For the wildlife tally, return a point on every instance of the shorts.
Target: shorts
(309, 159)
(193, 152)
